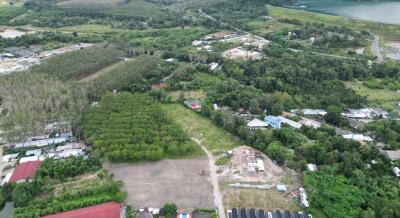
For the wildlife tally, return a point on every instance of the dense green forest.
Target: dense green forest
(133, 127)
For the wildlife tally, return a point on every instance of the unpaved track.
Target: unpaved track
(375, 49)
(214, 180)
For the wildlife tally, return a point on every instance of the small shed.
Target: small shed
(281, 188)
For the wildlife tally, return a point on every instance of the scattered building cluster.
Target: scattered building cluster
(366, 113)
(249, 46)
(17, 58)
(42, 141)
(252, 213)
(309, 112)
(23, 165)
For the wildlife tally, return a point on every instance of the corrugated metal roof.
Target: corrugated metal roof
(105, 210)
(25, 170)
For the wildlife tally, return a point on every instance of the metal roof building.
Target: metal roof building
(105, 210)
(25, 171)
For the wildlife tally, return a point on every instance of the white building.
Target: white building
(213, 65)
(291, 123)
(396, 171)
(27, 159)
(35, 152)
(281, 188)
(312, 167)
(303, 198)
(256, 124)
(10, 157)
(365, 113)
(309, 112)
(358, 137)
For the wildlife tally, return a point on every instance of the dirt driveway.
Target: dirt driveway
(177, 181)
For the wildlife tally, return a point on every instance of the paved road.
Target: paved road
(214, 180)
(375, 49)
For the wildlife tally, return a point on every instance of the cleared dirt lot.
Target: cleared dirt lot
(178, 181)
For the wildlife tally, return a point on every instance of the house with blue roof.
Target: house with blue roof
(273, 121)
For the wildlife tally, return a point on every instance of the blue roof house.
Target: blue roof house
(274, 122)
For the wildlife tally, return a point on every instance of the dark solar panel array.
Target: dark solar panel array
(252, 213)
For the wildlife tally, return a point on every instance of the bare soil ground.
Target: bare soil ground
(154, 184)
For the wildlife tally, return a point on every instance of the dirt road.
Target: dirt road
(214, 180)
(375, 49)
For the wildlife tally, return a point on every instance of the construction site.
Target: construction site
(251, 179)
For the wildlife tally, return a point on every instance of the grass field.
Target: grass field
(214, 138)
(385, 98)
(92, 4)
(269, 199)
(137, 9)
(7, 13)
(387, 31)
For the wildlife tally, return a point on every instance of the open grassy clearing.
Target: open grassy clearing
(263, 27)
(254, 198)
(100, 72)
(214, 138)
(7, 13)
(387, 31)
(92, 4)
(374, 94)
(384, 98)
(137, 9)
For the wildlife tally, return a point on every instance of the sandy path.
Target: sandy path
(214, 180)
(101, 72)
(375, 49)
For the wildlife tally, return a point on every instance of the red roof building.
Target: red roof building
(25, 171)
(105, 210)
(158, 86)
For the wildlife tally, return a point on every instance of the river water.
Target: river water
(383, 12)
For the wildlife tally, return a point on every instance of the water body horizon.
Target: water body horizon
(382, 12)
